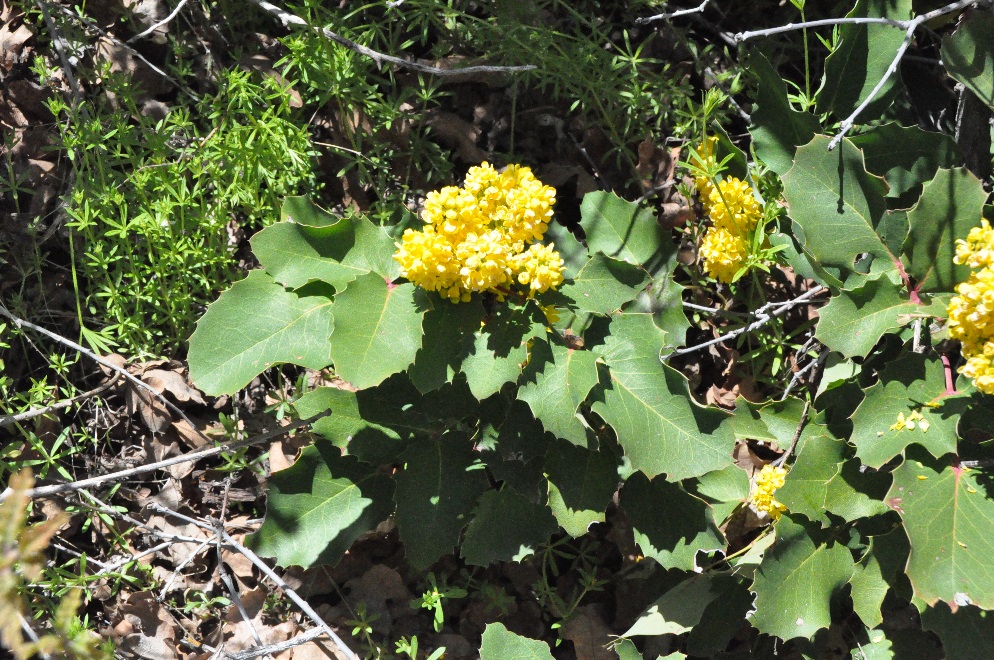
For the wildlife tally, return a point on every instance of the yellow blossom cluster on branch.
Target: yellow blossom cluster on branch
(768, 481)
(734, 214)
(971, 313)
(483, 237)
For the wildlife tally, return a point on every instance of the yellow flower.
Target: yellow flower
(768, 481)
(732, 206)
(724, 253)
(475, 237)
(971, 311)
(977, 251)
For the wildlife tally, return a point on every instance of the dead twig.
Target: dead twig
(164, 21)
(673, 14)
(291, 19)
(55, 489)
(267, 571)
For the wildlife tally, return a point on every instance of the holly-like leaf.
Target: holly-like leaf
(498, 352)
(506, 526)
(950, 206)
(948, 514)
(836, 203)
(905, 156)
(377, 330)
(604, 284)
(670, 534)
(875, 573)
(818, 484)
(795, 582)
(441, 353)
(966, 632)
(254, 325)
(319, 506)
(862, 58)
(854, 321)
(649, 406)
(777, 128)
(581, 485)
(619, 229)
(317, 245)
(905, 386)
(499, 643)
(436, 492)
(372, 435)
(968, 55)
(555, 383)
(681, 608)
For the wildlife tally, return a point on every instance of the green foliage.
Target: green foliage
(486, 427)
(153, 198)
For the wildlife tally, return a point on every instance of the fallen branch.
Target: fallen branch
(152, 29)
(55, 489)
(291, 19)
(227, 540)
(674, 14)
(763, 316)
(909, 27)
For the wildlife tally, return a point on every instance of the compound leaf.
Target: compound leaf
(604, 284)
(499, 643)
(951, 204)
(506, 526)
(619, 229)
(670, 534)
(435, 494)
(377, 330)
(581, 485)
(319, 506)
(254, 325)
(968, 55)
(441, 353)
(905, 155)
(948, 514)
(555, 383)
(777, 128)
(498, 352)
(649, 406)
(796, 579)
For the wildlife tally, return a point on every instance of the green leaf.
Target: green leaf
(604, 284)
(506, 526)
(950, 206)
(581, 485)
(861, 58)
(854, 321)
(967, 633)
(498, 352)
(319, 506)
(836, 203)
(555, 383)
(499, 643)
(441, 353)
(681, 608)
(905, 385)
(818, 484)
(948, 514)
(777, 128)
(874, 574)
(649, 405)
(350, 425)
(336, 252)
(436, 492)
(673, 533)
(797, 578)
(377, 330)
(619, 229)
(905, 156)
(254, 325)
(968, 55)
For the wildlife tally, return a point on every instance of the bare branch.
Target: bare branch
(681, 12)
(763, 316)
(55, 489)
(152, 29)
(267, 571)
(380, 58)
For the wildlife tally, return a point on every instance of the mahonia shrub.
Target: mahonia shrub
(484, 428)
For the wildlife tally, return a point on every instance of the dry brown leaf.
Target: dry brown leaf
(589, 634)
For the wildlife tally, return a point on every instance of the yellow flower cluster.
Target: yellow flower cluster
(475, 237)
(971, 313)
(734, 213)
(769, 479)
